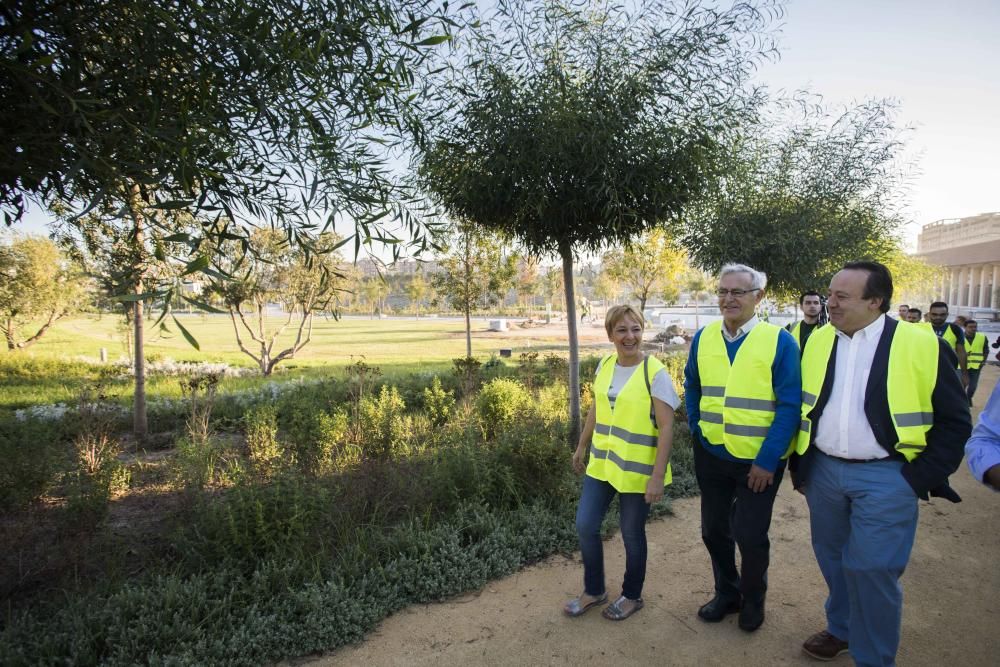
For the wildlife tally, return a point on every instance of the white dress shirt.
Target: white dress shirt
(742, 331)
(843, 429)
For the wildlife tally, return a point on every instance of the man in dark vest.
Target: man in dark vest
(812, 307)
(884, 421)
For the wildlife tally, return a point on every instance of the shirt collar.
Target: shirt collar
(870, 332)
(742, 331)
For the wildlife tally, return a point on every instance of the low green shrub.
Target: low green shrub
(438, 403)
(263, 448)
(500, 403)
(34, 452)
(283, 607)
(383, 425)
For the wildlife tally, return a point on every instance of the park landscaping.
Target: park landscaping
(271, 518)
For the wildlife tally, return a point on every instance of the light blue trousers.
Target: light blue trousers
(863, 518)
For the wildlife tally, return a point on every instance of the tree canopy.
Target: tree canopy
(39, 285)
(578, 125)
(798, 199)
(256, 109)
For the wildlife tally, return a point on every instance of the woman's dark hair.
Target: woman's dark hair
(879, 283)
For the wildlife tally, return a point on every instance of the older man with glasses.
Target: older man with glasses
(743, 396)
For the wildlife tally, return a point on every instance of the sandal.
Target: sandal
(616, 611)
(575, 607)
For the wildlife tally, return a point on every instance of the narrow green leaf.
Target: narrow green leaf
(187, 335)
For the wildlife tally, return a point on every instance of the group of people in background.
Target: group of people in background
(867, 415)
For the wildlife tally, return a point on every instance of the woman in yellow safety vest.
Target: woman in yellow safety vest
(628, 432)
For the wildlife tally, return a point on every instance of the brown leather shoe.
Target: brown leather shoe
(824, 646)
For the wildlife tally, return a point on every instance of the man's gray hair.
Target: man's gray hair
(758, 279)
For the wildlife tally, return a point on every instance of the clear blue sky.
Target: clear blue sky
(941, 61)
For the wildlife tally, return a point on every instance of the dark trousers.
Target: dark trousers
(732, 514)
(973, 383)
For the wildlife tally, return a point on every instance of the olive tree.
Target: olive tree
(651, 265)
(275, 273)
(239, 112)
(575, 126)
(803, 195)
(39, 285)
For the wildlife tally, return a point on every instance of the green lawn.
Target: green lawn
(56, 367)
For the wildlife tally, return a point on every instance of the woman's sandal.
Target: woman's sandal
(616, 610)
(575, 607)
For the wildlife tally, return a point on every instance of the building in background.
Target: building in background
(969, 250)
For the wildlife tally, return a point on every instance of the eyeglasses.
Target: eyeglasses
(737, 293)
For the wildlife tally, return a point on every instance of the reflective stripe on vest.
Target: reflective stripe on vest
(912, 375)
(623, 449)
(975, 351)
(737, 399)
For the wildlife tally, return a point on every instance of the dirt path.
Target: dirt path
(951, 615)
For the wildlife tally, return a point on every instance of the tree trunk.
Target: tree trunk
(468, 334)
(140, 425)
(566, 252)
(468, 298)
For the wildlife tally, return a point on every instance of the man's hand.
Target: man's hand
(579, 461)
(965, 379)
(759, 479)
(992, 477)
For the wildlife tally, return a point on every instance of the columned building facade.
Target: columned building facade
(969, 251)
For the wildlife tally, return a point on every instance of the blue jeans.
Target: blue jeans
(863, 518)
(594, 501)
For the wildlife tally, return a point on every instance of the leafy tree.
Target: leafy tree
(526, 282)
(276, 274)
(800, 199)
(914, 280)
(373, 291)
(651, 265)
(579, 125)
(39, 285)
(699, 285)
(606, 287)
(245, 110)
(417, 290)
(475, 274)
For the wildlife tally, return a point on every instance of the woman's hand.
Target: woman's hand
(654, 489)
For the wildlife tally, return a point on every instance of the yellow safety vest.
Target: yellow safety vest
(737, 399)
(797, 330)
(623, 449)
(949, 337)
(975, 351)
(913, 362)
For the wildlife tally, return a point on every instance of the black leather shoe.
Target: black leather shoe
(751, 615)
(717, 608)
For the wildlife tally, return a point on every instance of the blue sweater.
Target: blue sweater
(787, 378)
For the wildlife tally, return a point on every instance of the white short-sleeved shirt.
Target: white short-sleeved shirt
(660, 385)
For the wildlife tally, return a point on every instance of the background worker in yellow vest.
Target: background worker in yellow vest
(904, 312)
(628, 432)
(742, 392)
(975, 354)
(884, 420)
(914, 316)
(952, 334)
(812, 308)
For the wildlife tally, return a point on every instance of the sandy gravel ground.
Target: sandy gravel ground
(951, 615)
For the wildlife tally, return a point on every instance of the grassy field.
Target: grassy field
(55, 368)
